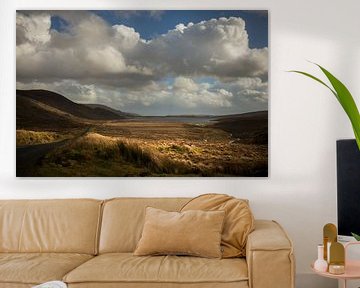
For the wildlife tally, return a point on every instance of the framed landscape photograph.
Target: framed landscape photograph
(142, 93)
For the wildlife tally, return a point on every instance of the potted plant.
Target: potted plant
(345, 99)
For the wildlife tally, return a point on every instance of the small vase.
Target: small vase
(320, 264)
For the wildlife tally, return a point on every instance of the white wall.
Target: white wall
(305, 119)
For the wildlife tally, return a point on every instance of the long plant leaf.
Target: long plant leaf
(344, 97)
(316, 79)
(347, 102)
(357, 237)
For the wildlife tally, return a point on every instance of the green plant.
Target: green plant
(344, 97)
(356, 236)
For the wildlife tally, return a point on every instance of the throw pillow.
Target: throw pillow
(238, 224)
(196, 233)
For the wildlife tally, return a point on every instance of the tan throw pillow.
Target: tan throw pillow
(196, 233)
(238, 224)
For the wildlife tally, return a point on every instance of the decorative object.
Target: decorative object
(320, 264)
(351, 269)
(336, 269)
(337, 258)
(334, 251)
(329, 236)
(142, 93)
(327, 249)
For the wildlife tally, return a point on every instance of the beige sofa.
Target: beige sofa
(89, 243)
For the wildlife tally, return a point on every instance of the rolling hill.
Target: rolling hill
(250, 127)
(31, 114)
(107, 108)
(42, 109)
(57, 101)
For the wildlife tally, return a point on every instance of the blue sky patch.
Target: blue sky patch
(151, 24)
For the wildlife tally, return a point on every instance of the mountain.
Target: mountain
(259, 115)
(249, 127)
(65, 105)
(33, 114)
(118, 112)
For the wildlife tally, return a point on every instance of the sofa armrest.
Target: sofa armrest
(269, 255)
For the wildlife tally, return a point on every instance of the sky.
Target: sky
(148, 62)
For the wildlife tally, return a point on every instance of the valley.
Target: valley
(96, 140)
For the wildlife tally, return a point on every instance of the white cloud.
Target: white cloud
(218, 47)
(34, 29)
(92, 61)
(183, 84)
(90, 49)
(125, 38)
(187, 93)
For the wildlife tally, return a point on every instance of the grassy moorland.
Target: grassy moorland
(149, 150)
(28, 137)
(234, 145)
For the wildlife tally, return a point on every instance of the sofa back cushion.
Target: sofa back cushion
(123, 220)
(66, 226)
(238, 224)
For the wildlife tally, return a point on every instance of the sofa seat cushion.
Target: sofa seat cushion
(36, 268)
(127, 268)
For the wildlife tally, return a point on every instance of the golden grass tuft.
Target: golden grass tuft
(135, 152)
(28, 137)
(95, 140)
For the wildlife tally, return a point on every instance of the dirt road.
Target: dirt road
(27, 157)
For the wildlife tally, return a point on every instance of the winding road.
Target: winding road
(27, 157)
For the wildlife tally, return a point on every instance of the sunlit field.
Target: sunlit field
(145, 148)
